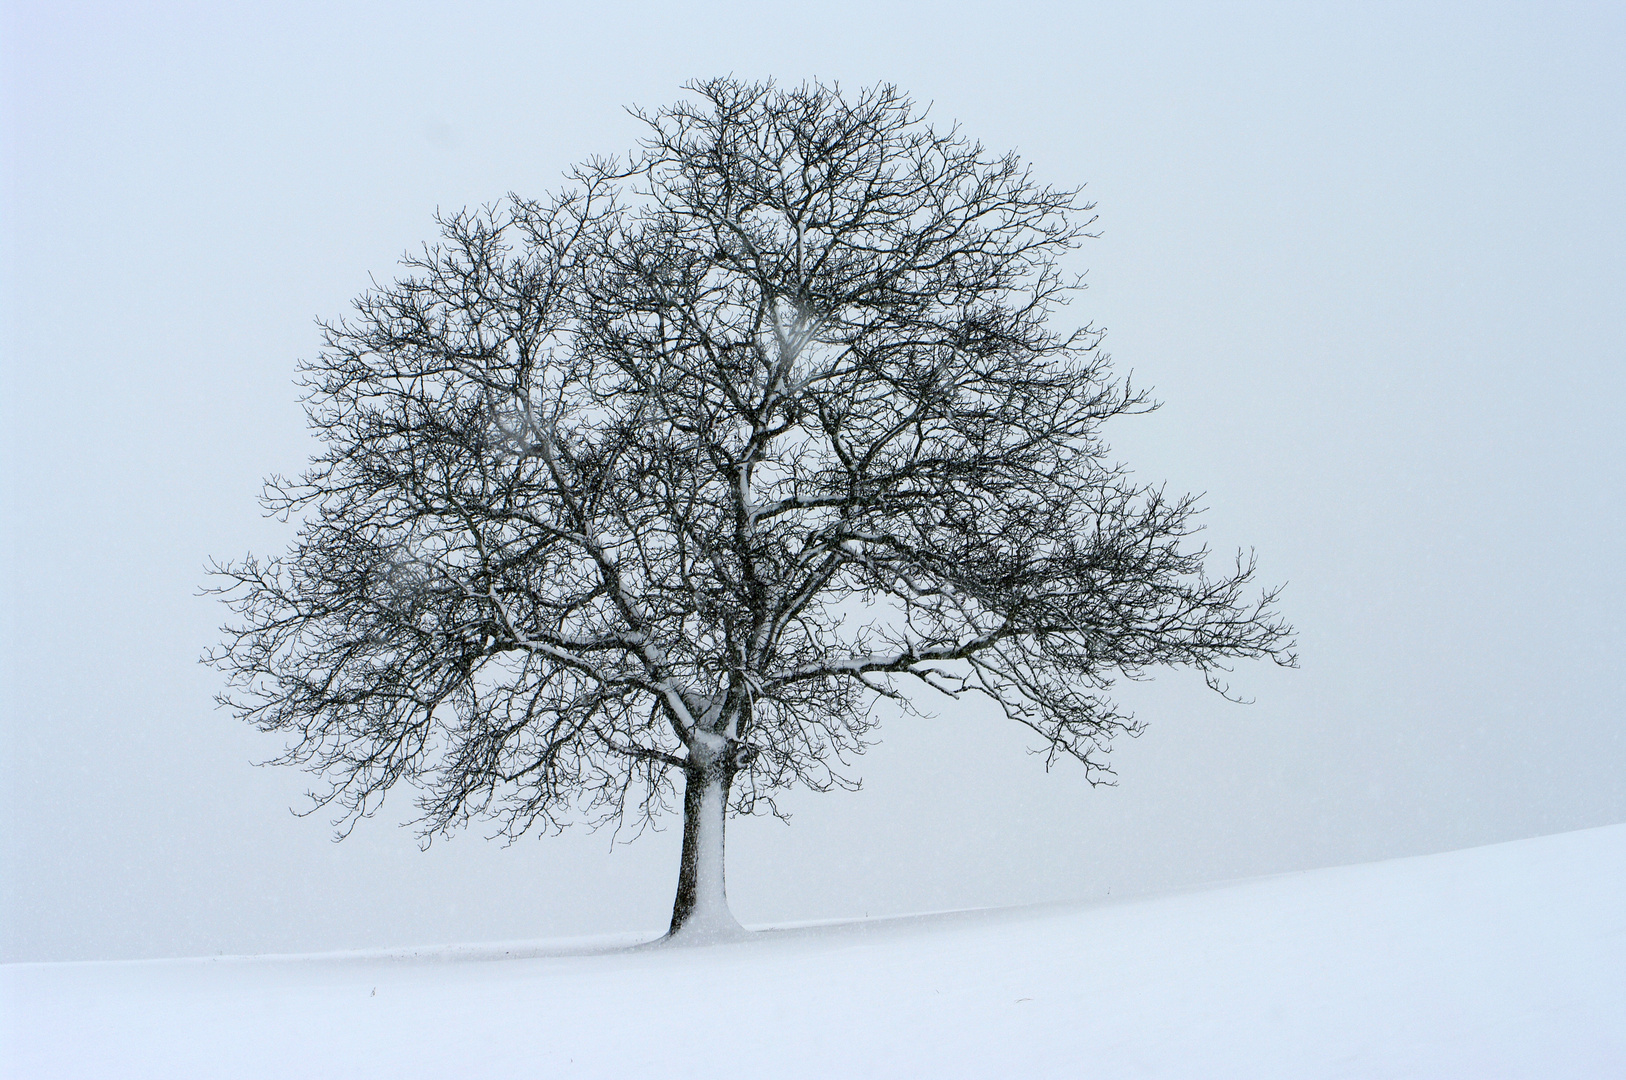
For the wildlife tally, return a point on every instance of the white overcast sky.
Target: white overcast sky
(1370, 256)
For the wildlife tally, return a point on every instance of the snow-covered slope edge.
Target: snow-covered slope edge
(1507, 960)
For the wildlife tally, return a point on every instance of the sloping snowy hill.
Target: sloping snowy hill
(1502, 961)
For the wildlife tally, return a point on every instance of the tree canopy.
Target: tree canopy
(678, 472)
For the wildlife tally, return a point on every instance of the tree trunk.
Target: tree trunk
(701, 909)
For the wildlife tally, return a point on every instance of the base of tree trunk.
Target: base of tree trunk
(700, 911)
(708, 932)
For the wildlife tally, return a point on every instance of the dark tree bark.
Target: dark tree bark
(607, 477)
(702, 897)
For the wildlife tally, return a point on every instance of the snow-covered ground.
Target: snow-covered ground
(1499, 961)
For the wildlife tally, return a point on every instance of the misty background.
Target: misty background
(1370, 259)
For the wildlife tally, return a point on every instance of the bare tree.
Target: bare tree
(679, 472)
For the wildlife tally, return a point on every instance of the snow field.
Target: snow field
(1502, 961)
